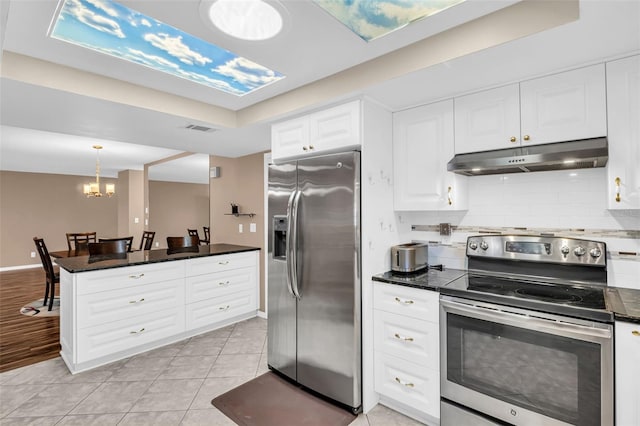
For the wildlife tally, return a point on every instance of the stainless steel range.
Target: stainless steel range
(526, 337)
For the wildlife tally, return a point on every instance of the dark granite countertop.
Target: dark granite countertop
(623, 302)
(96, 263)
(432, 279)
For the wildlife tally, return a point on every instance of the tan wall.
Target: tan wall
(174, 207)
(48, 206)
(241, 182)
(131, 204)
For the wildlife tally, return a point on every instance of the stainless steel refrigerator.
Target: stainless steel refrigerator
(314, 308)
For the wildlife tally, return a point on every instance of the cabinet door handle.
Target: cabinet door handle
(636, 333)
(512, 139)
(304, 148)
(223, 284)
(136, 277)
(449, 199)
(526, 137)
(403, 383)
(226, 262)
(618, 182)
(137, 301)
(224, 308)
(137, 332)
(400, 337)
(404, 302)
(310, 147)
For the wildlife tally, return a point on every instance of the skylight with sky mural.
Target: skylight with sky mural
(371, 19)
(113, 29)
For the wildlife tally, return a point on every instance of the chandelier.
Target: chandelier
(93, 189)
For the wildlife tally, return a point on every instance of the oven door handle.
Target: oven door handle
(532, 322)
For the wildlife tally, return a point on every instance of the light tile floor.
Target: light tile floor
(173, 385)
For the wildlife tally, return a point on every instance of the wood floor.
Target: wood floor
(25, 340)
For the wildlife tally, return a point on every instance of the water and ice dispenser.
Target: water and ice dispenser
(280, 238)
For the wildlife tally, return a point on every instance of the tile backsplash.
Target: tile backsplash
(563, 203)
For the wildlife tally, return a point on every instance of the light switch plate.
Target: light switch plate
(252, 227)
(136, 220)
(240, 228)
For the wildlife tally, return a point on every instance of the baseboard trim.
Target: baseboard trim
(261, 314)
(15, 268)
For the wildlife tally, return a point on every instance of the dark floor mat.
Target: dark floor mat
(269, 400)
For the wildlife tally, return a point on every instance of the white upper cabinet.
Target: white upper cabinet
(488, 120)
(422, 146)
(563, 107)
(557, 108)
(623, 104)
(330, 130)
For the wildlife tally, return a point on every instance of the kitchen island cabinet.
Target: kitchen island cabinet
(627, 358)
(113, 308)
(623, 108)
(561, 107)
(422, 146)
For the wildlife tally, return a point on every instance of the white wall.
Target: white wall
(567, 203)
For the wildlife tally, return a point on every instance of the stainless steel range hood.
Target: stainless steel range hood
(580, 154)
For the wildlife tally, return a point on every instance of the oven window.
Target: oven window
(552, 375)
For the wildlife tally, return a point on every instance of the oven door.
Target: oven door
(526, 367)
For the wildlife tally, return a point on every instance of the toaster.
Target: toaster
(409, 257)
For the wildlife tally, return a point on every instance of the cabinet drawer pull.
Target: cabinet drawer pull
(400, 337)
(636, 333)
(512, 139)
(136, 277)
(224, 308)
(403, 383)
(310, 146)
(449, 200)
(404, 302)
(137, 301)
(304, 148)
(224, 284)
(226, 262)
(137, 332)
(526, 137)
(618, 182)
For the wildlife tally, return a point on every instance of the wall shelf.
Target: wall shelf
(240, 214)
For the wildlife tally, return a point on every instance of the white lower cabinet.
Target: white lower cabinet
(627, 341)
(114, 313)
(406, 350)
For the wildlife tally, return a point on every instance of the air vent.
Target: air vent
(200, 128)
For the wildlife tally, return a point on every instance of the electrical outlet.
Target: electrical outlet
(157, 244)
(136, 220)
(33, 254)
(252, 227)
(240, 228)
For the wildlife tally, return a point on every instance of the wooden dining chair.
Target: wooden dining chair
(80, 240)
(194, 233)
(182, 242)
(127, 240)
(118, 246)
(207, 236)
(147, 240)
(51, 277)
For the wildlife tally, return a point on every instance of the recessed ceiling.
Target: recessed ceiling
(315, 49)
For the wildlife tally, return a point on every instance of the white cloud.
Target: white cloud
(152, 60)
(247, 73)
(175, 47)
(145, 22)
(98, 22)
(103, 6)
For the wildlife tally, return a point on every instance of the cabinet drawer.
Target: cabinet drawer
(225, 262)
(207, 286)
(107, 306)
(416, 303)
(101, 340)
(407, 338)
(408, 383)
(116, 278)
(209, 312)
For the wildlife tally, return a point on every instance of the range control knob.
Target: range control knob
(565, 250)
(484, 245)
(579, 251)
(595, 252)
(473, 245)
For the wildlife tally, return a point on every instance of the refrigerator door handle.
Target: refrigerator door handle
(290, 247)
(294, 250)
